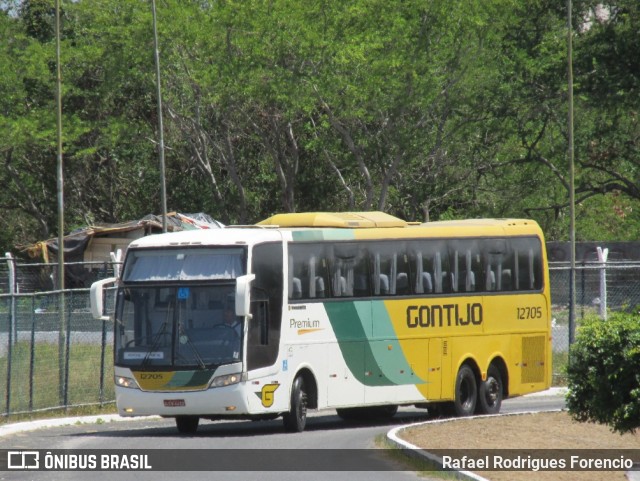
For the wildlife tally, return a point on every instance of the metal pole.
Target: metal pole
(13, 320)
(163, 188)
(572, 224)
(602, 259)
(61, 334)
(12, 327)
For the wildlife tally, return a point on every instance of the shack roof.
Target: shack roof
(76, 242)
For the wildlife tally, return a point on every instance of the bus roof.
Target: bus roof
(337, 226)
(209, 237)
(346, 220)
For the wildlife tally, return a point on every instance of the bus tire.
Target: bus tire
(187, 424)
(296, 419)
(387, 412)
(490, 392)
(466, 392)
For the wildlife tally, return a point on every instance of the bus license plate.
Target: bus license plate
(174, 403)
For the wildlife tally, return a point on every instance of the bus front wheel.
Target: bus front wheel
(296, 419)
(187, 424)
(466, 392)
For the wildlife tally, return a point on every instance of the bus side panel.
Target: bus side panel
(527, 318)
(530, 354)
(343, 389)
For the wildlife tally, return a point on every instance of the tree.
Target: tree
(603, 381)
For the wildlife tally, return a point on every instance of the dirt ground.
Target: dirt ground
(527, 431)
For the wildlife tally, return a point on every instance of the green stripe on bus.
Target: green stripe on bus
(322, 234)
(190, 378)
(389, 355)
(373, 363)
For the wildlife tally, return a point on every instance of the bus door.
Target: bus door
(438, 358)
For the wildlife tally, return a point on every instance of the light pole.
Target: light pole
(572, 210)
(60, 187)
(163, 188)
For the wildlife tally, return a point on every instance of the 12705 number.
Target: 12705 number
(529, 313)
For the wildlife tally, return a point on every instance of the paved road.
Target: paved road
(324, 431)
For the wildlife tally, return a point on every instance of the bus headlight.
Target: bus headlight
(226, 380)
(122, 381)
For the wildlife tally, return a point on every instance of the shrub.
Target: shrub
(604, 372)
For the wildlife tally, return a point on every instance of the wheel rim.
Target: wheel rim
(492, 391)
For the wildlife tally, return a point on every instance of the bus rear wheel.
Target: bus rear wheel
(296, 419)
(187, 424)
(490, 392)
(466, 392)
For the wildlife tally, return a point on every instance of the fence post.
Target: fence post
(32, 352)
(67, 351)
(602, 259)
(11, 331)
(13, 328)
(103, 348)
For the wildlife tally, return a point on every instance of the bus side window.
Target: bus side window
(420, 272)
(463, 268)
(403, 286)
(495, 253)
(490, 279)
(320, 290)
(349, 271)
(319, 276)
(427, 282)
(527, 264)
(296, 288)
(506, 280)
(296, 275)
(307, 271)
(260, 316)
(383, 267)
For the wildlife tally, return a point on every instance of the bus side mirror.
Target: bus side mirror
(243, 298)
(97, 298)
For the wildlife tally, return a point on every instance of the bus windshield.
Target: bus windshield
(183, 327)
(194, 263)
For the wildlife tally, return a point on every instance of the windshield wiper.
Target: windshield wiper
(196, 353)
(155, 343)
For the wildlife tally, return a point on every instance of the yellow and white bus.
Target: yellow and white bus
(358, 312)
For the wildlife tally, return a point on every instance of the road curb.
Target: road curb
(21, 427)
(416, 452)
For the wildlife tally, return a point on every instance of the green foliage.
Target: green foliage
(604, 372)
(427, 110)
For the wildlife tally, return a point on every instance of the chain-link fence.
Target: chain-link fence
(599, 289)
(54, 354)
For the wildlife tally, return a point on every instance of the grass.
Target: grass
(560, 362)
(38, 388)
